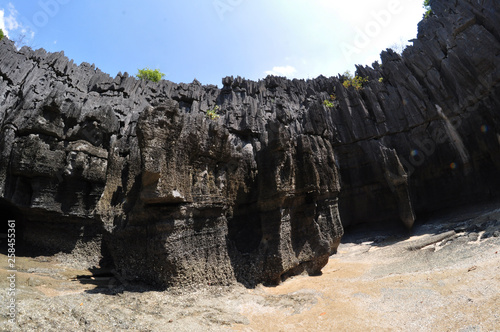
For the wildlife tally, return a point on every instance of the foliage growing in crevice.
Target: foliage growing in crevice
(329, 103)
(212, 113)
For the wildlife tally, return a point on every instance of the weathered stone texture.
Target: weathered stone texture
(136, 172)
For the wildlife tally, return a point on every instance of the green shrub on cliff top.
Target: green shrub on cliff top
(428, 9)
(150, 75)
(355, 81)
(1, 34)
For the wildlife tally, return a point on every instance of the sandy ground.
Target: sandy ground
(443, 276)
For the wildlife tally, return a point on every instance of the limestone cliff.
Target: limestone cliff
(135, 173)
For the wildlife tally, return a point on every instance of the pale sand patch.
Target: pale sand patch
(352, 298)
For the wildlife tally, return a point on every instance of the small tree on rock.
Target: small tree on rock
(150, 74)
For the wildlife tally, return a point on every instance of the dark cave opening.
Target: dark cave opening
(245, 230)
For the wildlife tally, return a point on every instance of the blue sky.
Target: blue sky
(210, 39)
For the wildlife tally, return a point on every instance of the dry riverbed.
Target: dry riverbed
(443, 276)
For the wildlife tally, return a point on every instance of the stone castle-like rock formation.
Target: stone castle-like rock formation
(135, 174)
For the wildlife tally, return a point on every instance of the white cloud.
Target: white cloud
(282, 71)
(366, 27)
(2, 22)
(9, 23)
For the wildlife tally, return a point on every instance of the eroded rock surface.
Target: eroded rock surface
(135, 173)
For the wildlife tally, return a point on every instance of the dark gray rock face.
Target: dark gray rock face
(135, 172)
